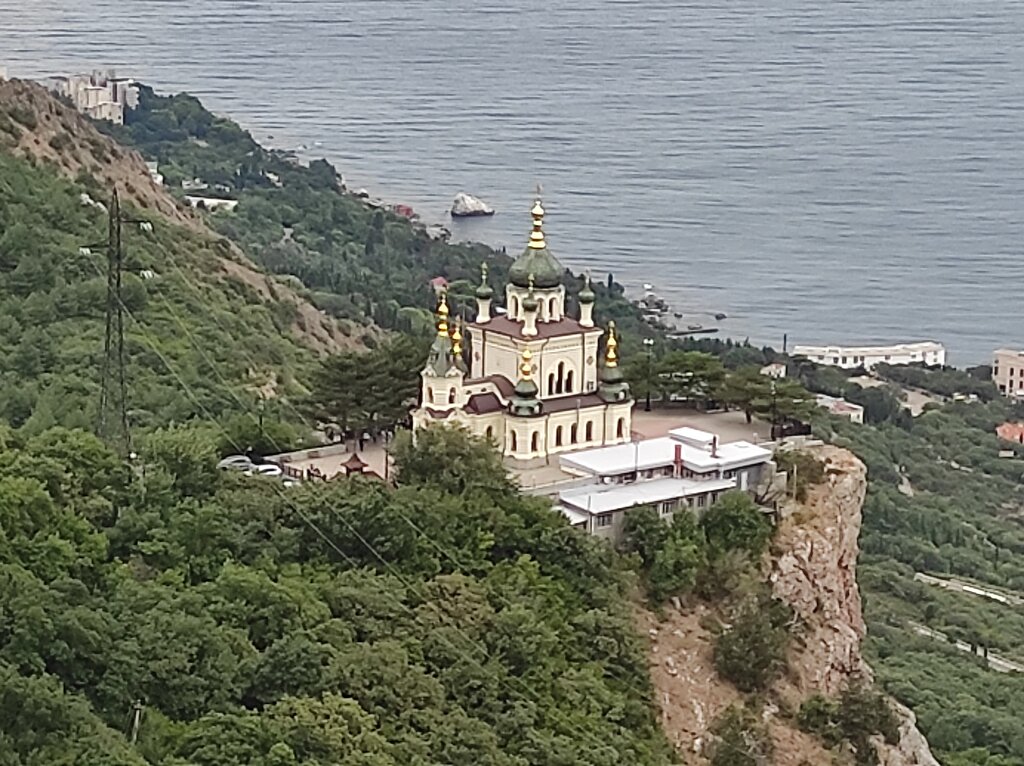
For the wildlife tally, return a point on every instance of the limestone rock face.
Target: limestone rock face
(815, 572)
(912, 749)
(812, 568)
(467, 206)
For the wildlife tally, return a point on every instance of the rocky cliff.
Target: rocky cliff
(813, 570)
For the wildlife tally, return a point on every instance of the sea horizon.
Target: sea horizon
(842, 175)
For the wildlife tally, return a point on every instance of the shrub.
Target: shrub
(860, 713)
(59, 142)
(23, 116)
(740, 739)
(736, 523)
(751, 650)
(802, 469)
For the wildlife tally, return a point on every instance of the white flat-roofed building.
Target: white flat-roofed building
(926, 352)
(688, 468)
(841, 407)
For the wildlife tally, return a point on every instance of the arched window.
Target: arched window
(535, 442)
(568, 382)
(590, 431)
(430, 395)
(561, 377)
(551, 309)
(451, 396)
(551, 383)
(512, 441)
(620, 429)
(515, 308)
(574, 433)
(558, 436)
(489, 433)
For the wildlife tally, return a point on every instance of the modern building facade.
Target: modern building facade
(928, 353)
(687, 470)
(533, 380)
(100, 96)
(1008, 371)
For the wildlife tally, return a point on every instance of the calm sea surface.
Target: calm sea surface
(841, 171)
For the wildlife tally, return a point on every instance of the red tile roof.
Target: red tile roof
(502, 325)
(1011, 432)
(480, 404)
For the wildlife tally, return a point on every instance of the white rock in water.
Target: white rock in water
(466, 205)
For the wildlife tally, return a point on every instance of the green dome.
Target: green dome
(484, 292)
(546, 271)
(611, 375)
(536, 259)
(526, 389)
(586, 294)
(530, 303)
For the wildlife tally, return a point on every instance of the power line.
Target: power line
(433, 543)
(507, 681)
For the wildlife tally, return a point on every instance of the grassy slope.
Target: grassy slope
(51, 311)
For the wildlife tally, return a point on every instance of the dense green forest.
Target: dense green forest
(449, 621)
(941, 501)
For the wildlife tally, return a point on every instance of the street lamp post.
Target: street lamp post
(775, 417)
(649, 343)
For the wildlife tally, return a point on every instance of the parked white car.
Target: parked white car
(235, 463)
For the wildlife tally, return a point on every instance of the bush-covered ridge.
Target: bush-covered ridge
(344, 623)
(218, 334)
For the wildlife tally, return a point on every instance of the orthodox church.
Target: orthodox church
(531, 382)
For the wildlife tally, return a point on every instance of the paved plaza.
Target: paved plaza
(730, 426)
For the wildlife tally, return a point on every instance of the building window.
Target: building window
(551, 383)
(702, 500)
(430, 394)
(604, 520)
(451, 396)
(561, 377)
(620, 428)
(574, 433)
(558, 436)
(667, 507)
(590, 431)
(512, 441)
(489, 433)
(568, 382)
(551, 310)
(515, 307)
(535, 442)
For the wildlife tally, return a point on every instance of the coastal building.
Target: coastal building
(212, 204)
(775, 370)
(98, 95)
(1008, 371)
(928, 353)
(529, 379)
(841, 407)
(687, 470)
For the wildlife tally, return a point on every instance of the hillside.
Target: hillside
(220, 620)
(360, 261)
(812, 570)
(34, 124)
(195, 301)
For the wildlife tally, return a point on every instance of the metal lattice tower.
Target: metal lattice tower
(113, 410)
